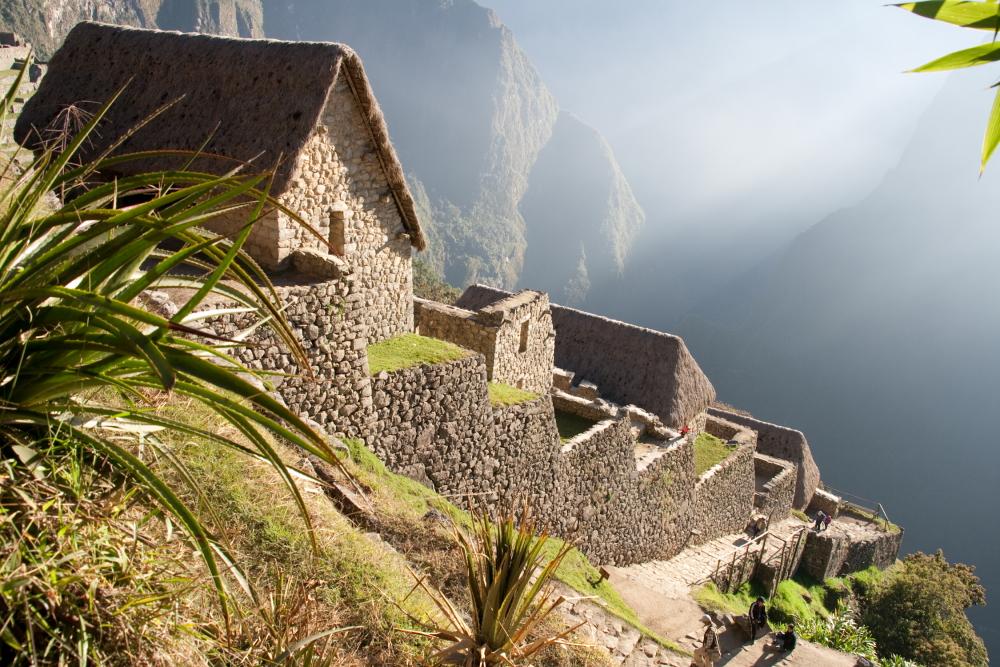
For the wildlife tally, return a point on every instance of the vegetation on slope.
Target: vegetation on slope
(428, 284)
(408, 350)
(72, 329)
(709, 451)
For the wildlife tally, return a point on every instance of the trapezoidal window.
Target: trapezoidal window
(338, 231)
(523, 347)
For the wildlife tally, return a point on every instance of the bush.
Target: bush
(918, 611)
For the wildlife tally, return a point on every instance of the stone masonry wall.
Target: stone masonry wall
(322, 316)
(528, 453)
(525, 342)
(724, 496)
(774, 490)
(783, 443)
(339, 172)
(435, 424)
(835, 555)
(515, 335)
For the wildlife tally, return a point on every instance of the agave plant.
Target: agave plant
(510, 594)
(974, 15)
(79, 354)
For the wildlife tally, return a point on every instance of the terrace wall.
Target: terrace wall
(783, 443)
(723, 496)
(775, 497)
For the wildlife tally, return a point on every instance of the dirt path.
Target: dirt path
(660, 593)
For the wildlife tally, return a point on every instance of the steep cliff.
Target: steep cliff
(578, 200)
(45, 23)
(467, 110)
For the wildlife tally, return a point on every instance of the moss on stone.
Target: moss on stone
(709, 451)
(571, 425)
(410, 350)
(503, 394)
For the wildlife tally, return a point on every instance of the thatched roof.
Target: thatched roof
(629, 364)
(251, 99)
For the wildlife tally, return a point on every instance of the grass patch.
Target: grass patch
(800, 599)
(709, 451)
(502, 394)
(410, 350)
(802, 516)
(410, 501)
(571, 425)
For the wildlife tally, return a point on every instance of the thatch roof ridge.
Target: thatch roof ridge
(287, 85)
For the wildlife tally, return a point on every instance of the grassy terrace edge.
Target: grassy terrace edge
(502, 394)
(708, 452)
(408, 350)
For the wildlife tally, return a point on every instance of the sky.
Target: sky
(758, 116)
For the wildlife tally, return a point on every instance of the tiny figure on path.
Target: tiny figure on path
(758, 618)
(785, 641)
(826, 521)
(820, 518)
(709, 651)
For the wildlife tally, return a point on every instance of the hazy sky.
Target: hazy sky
(747, 114)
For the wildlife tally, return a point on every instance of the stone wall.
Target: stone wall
(514, 335)
(528, 454)
(434, 423)
(322, 316)
(630, 364)
(774, 486)
(723, 496)
(340, 189)
(783, 443)
(835, 555)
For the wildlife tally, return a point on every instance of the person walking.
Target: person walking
(826, 521)
(709, 651)
(820, 518)
(758, 618)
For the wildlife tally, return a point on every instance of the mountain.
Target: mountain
(578, 200)
(493, 163)
(876, 332)
(44, 23)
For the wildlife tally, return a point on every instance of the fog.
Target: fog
(816, 230)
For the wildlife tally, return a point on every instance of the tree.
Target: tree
(918, 611)
(975, 16)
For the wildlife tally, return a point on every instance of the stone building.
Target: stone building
(630, 364)
(304, 110)
(514, 334)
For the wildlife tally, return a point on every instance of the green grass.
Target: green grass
(709, 451)
(799, 599)
(799, 514)
(571, 425)
(410, 350)
(502, 394)
(415, 499)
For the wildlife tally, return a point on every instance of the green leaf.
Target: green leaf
(977, 15)
(992, 136)
(977, 55)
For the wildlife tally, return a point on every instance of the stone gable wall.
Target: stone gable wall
(783, 443)
(724, 496)
(338, 173)
(523, 361)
